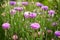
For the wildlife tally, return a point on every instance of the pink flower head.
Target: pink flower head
(32, 15)
(39, 4)
(24, 3)
(49, 31)
(44, 7)
(26, 14)
(57, 33)
(51, 12)
(54, 24)
(5, 25)
(18, 8)
(12, 12)
(35, 25)
(12, 3)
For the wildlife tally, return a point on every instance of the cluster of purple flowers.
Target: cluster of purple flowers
(30, 15)
(14, 3)
(50, 12)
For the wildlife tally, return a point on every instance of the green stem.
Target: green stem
(5, 34)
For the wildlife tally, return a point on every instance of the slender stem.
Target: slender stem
(5, 34)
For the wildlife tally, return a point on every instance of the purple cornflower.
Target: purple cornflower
(12, 3)
(26, 14)
(39, 4)
(18, 8)
(5, 25)
(57, 33)
(12, 12)
(32, 15)
(54, 23)
(51, 12)
(24, 3)
(44, 7)
(35, 25)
